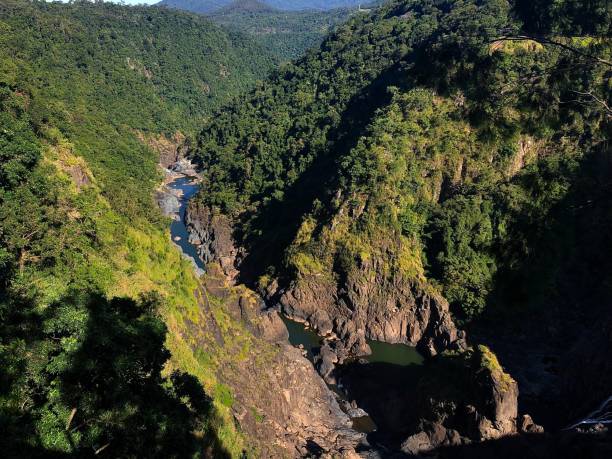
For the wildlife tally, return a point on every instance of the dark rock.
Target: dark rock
(372, 306)
(325, 362)
(213, 232)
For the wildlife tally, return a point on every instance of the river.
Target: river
(184, 188)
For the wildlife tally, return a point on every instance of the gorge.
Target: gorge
(379, 382)
(217, 243)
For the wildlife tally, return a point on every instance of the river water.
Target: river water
(186, 188)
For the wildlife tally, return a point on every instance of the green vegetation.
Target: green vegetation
(451, 142)
(285, 35)
(99, 73)
(462, 145)
(94, 298)
(213, 6)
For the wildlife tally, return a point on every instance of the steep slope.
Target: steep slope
(93, 294)
(431, 153)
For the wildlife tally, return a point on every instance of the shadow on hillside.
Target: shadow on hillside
(109, 394)
(394, 397)
(387, 392)
(550, 320)
(275, 224)
(563, 445)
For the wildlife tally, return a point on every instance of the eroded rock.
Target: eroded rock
(211, 232)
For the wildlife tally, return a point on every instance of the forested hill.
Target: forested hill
(437, 147)
(285, 35)
(473, 66)
(89, 280)
(180, 58)
(90, 69)
(211, 6)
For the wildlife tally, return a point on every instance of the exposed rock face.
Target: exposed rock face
(453, 399)
(79, 176)
(169, 149)
(279, 399)
(526, 425)
(168, 201)
(325, 360)
(211, 232)
(485, 409)
(363, 303)
(370, 305)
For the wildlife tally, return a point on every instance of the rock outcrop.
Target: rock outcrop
(482, 404)
(279, 400)
(169, 149)
(454, 399)
(168, 201)
(371, 306)
(211, 233)
(366, 303)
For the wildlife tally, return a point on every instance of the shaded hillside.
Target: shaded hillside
(246, 6)
(430, 152)
(212, 6)
(196, 6)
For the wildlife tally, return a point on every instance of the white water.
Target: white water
(602, 415)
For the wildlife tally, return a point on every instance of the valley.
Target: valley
(272, 232)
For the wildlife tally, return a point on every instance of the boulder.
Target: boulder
(213, 232)
(526, 425)
(325, 362)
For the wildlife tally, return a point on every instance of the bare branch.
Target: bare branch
(99, 450)
(596, 99)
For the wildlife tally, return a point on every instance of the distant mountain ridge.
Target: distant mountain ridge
(246, 6)
(212, 6)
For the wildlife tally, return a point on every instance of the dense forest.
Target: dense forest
(446, 156)
(286, 35)
(88, 277)
(438, 120)
(213, 6)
